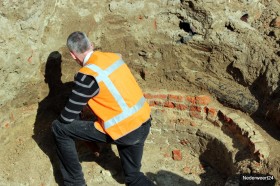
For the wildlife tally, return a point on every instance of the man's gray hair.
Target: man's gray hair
(78, 42)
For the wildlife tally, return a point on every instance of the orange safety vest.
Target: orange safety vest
(120, 105)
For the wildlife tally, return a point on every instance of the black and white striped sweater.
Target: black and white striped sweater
(85, 88)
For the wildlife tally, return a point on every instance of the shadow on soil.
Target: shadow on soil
(267, 115)
(166, 178)
(252, 180)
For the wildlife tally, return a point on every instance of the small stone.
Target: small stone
(7, 125)
(184, 142)
(144, 54)
(105, 173)
(186, 39)
(158, 55)
(187, 170)
(143, 74)
(166, 155)
(192, 124)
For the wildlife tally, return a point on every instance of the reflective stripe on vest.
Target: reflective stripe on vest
(103, 75)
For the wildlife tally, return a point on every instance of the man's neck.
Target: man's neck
(86, 57)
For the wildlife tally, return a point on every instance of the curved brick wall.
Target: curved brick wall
(178, 117)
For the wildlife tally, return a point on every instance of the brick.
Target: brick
(205, 109)
(202, 100)
(153, 103)
(211, 113)
(169, 104)
(177, 155)
(195, 114)
(180, 106)
(195, 108)
(161, 96)
(190, 99)
(148, 96)
(177, 98)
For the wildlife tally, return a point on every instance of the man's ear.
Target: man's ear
(73, 55)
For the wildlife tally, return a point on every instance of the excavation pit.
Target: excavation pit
(177, 50)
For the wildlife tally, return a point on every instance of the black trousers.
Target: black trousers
(130, 148)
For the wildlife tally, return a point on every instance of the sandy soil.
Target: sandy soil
(190, 46)
(29, 158)
(28, 155)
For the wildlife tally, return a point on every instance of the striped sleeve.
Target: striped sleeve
(84, 89)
